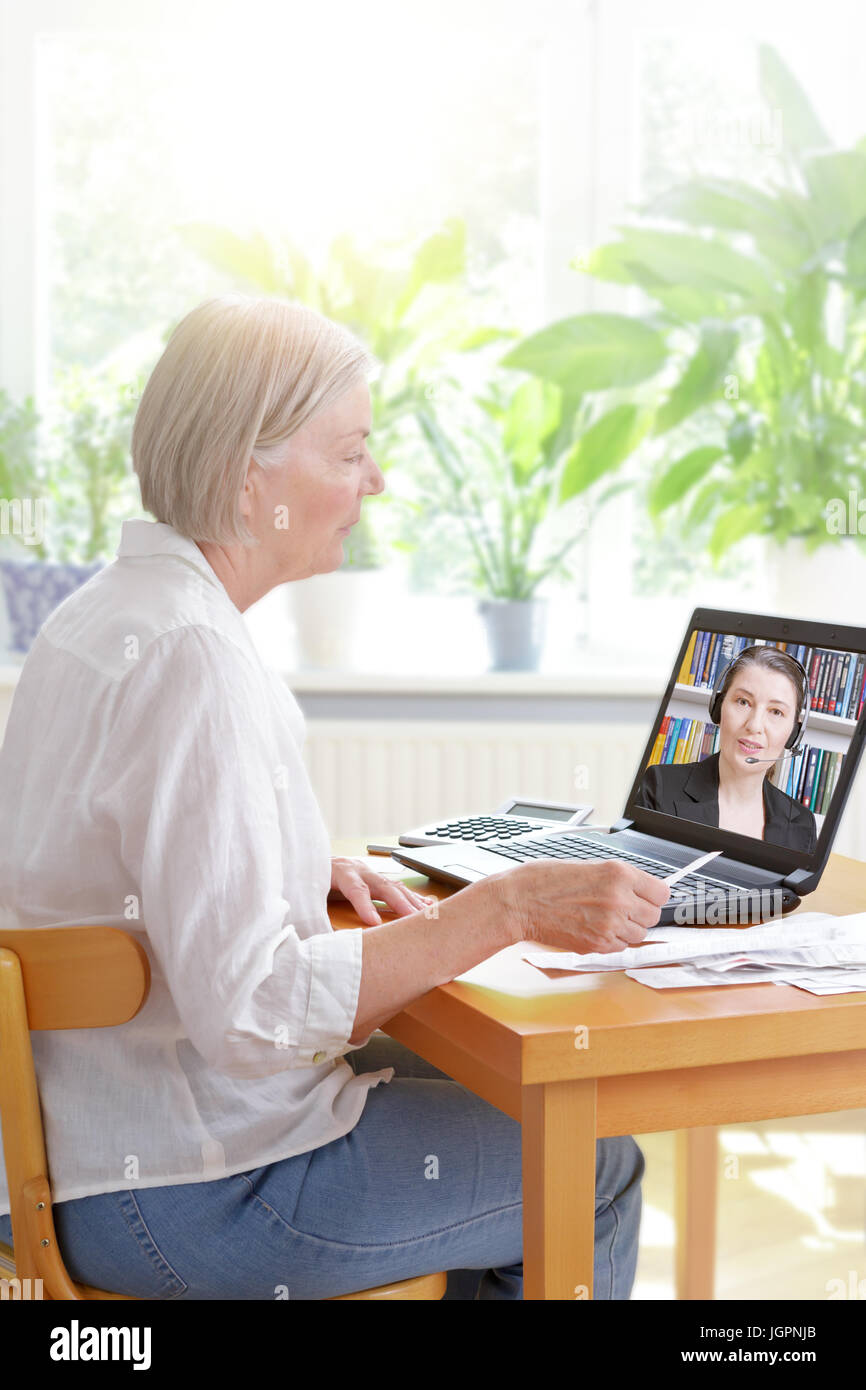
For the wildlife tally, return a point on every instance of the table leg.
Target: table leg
(696, 1182)
(559, 1136)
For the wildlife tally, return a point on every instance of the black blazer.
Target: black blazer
(691, 790)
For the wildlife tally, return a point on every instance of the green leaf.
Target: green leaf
(776, 370)
(245, 258)
(681, 476)
(804, 309)
(439, 260)
(705, 501)
(732, 206)
(700, 262)
(801, 129)
(572, 406)
(683, 302)
(602, 448)
(591, 352)
(480, 337)
(606, 493)
(702, 378)
(612, 262)
(733, 525)
(741, 437)
(531, 416)
(855, 256)
(837, 182)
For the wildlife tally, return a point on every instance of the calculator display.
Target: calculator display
(540, 812)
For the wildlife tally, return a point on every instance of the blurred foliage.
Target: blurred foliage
(504, 457)
(78, 467)
(18, 427)
(91, 484)
(408, 306)
(760, 295)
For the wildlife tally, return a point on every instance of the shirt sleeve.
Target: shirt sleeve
(191, 780)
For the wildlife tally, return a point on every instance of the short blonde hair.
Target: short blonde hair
(238, 377)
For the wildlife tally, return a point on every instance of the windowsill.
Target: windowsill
(596, 680)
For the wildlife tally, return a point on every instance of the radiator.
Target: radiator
(384, 777)
(378, 778)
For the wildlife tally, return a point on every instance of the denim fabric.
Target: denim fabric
(429, 1179)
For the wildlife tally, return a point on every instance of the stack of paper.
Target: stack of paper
(813, 951)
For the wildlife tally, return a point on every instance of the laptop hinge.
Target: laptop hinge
(798, 879)
(621, 824)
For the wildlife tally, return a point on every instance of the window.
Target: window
(541, 125)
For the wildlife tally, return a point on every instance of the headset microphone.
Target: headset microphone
(771, 760)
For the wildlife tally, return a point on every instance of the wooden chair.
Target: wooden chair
(74, 977)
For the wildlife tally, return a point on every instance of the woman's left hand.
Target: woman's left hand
(354, 880)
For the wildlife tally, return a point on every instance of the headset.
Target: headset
(795, 738)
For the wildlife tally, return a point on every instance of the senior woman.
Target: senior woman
(760, 704)
(250, 1134)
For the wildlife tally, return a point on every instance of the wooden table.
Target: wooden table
(684, 1060)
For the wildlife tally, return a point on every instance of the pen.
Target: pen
(381, 849)
(689, 868)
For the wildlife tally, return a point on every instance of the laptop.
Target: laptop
(722, 715)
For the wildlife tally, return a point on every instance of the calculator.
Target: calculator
(516, 816)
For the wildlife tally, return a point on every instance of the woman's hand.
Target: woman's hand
(354, 880)
(600, 905)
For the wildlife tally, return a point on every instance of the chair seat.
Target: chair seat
(425, 1287)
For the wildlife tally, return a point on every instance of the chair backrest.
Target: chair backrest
(52, 978)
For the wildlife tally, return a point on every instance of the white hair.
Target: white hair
(238, 377)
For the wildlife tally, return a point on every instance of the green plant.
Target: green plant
(751, 359)
(19, 423)
(90, 484)
(77, 470)
(507, 467)
(406, 306)
(18, 426)
(760, 294)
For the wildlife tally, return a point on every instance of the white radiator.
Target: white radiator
(377, 778)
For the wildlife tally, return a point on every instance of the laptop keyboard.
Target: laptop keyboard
(564, 845)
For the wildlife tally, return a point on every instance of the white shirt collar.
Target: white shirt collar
(140, 537)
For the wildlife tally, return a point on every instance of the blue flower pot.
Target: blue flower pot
(33, 589)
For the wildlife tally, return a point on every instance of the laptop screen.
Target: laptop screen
(754, 737)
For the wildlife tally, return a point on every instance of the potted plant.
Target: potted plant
(505, 478)
(82, 486)
(760, 297)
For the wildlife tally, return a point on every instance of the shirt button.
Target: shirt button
(318, 1056)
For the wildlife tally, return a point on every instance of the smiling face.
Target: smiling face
(758, 714)
(303, 509)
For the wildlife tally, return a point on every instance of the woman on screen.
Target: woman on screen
(760, 707)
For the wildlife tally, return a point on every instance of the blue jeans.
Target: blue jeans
(429, 1179)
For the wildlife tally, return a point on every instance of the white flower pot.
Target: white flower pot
(515, 632)
(334, 616)
(828, 584)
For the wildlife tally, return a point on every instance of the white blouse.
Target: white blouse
(152, 778)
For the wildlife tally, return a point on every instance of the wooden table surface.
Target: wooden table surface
(655, 1060)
